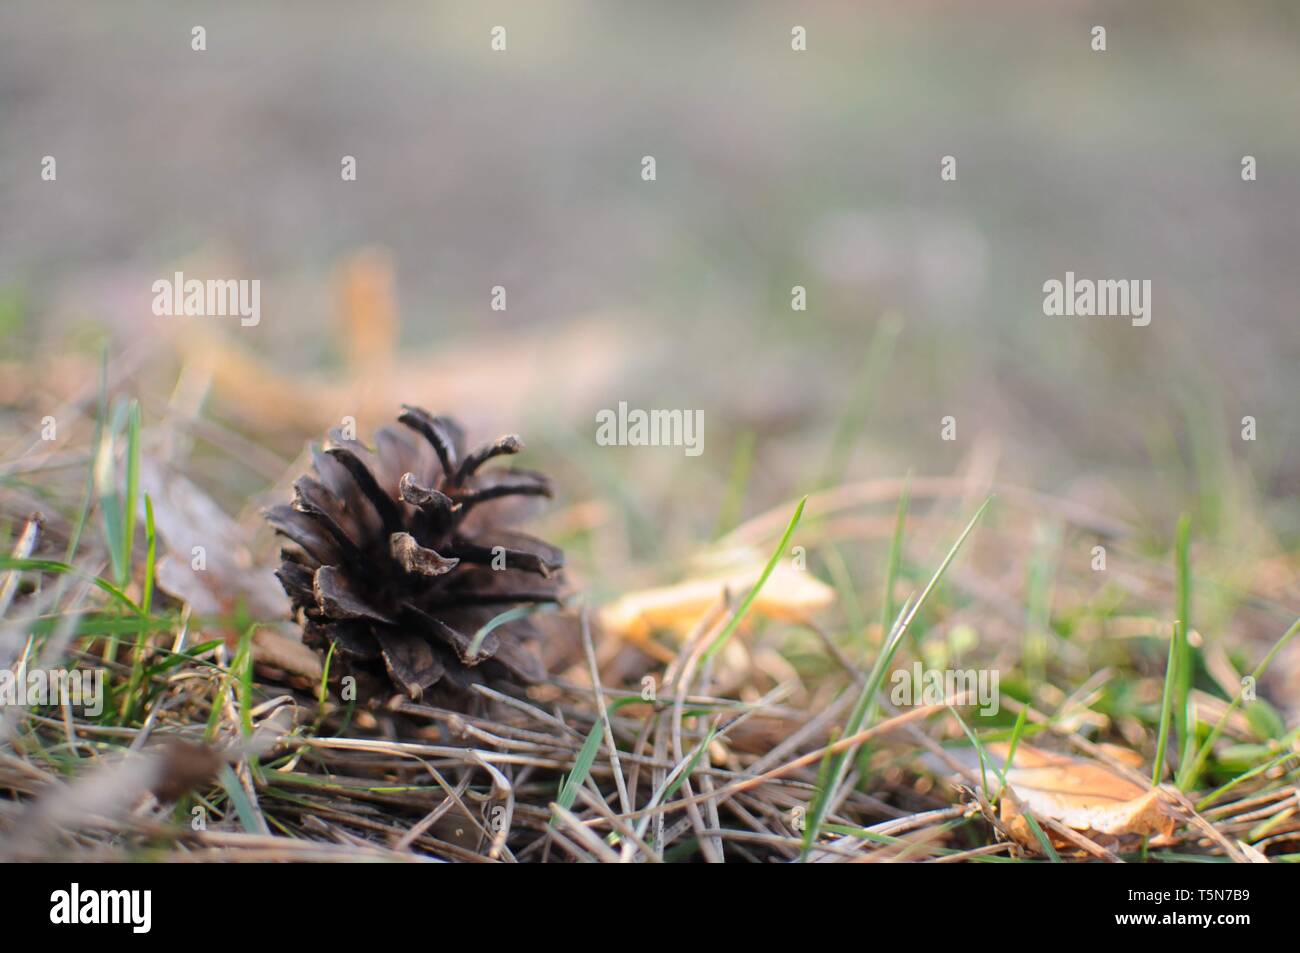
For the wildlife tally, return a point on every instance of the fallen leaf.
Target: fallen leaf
(789, 593)
(185, 518)
(1083, 795)
(1125, 756)
(193, 532)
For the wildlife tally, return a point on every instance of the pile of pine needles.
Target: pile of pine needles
(760, 740)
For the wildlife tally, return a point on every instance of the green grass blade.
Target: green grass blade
(864, 708)
(1183, 662)
(241, 669)
(892, 567)
(132, 490)
(109, 496)
(1016, 732)
(54, 566)
(510, 615)
(322, 691)
(1043, 840)
(1166, 706)
(895, 556)
(586, 757)
(1245, 776)
(151, 555)
(743, 609)
(249, 819)
(1189, 775)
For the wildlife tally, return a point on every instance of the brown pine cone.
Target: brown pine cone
(402, 554)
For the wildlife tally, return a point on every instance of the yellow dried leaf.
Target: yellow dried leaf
(1126, 756)
(789, 593)
(1083, 795)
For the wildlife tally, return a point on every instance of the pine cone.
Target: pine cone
(402, 555)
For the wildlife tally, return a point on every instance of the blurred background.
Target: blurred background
(522, 169)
